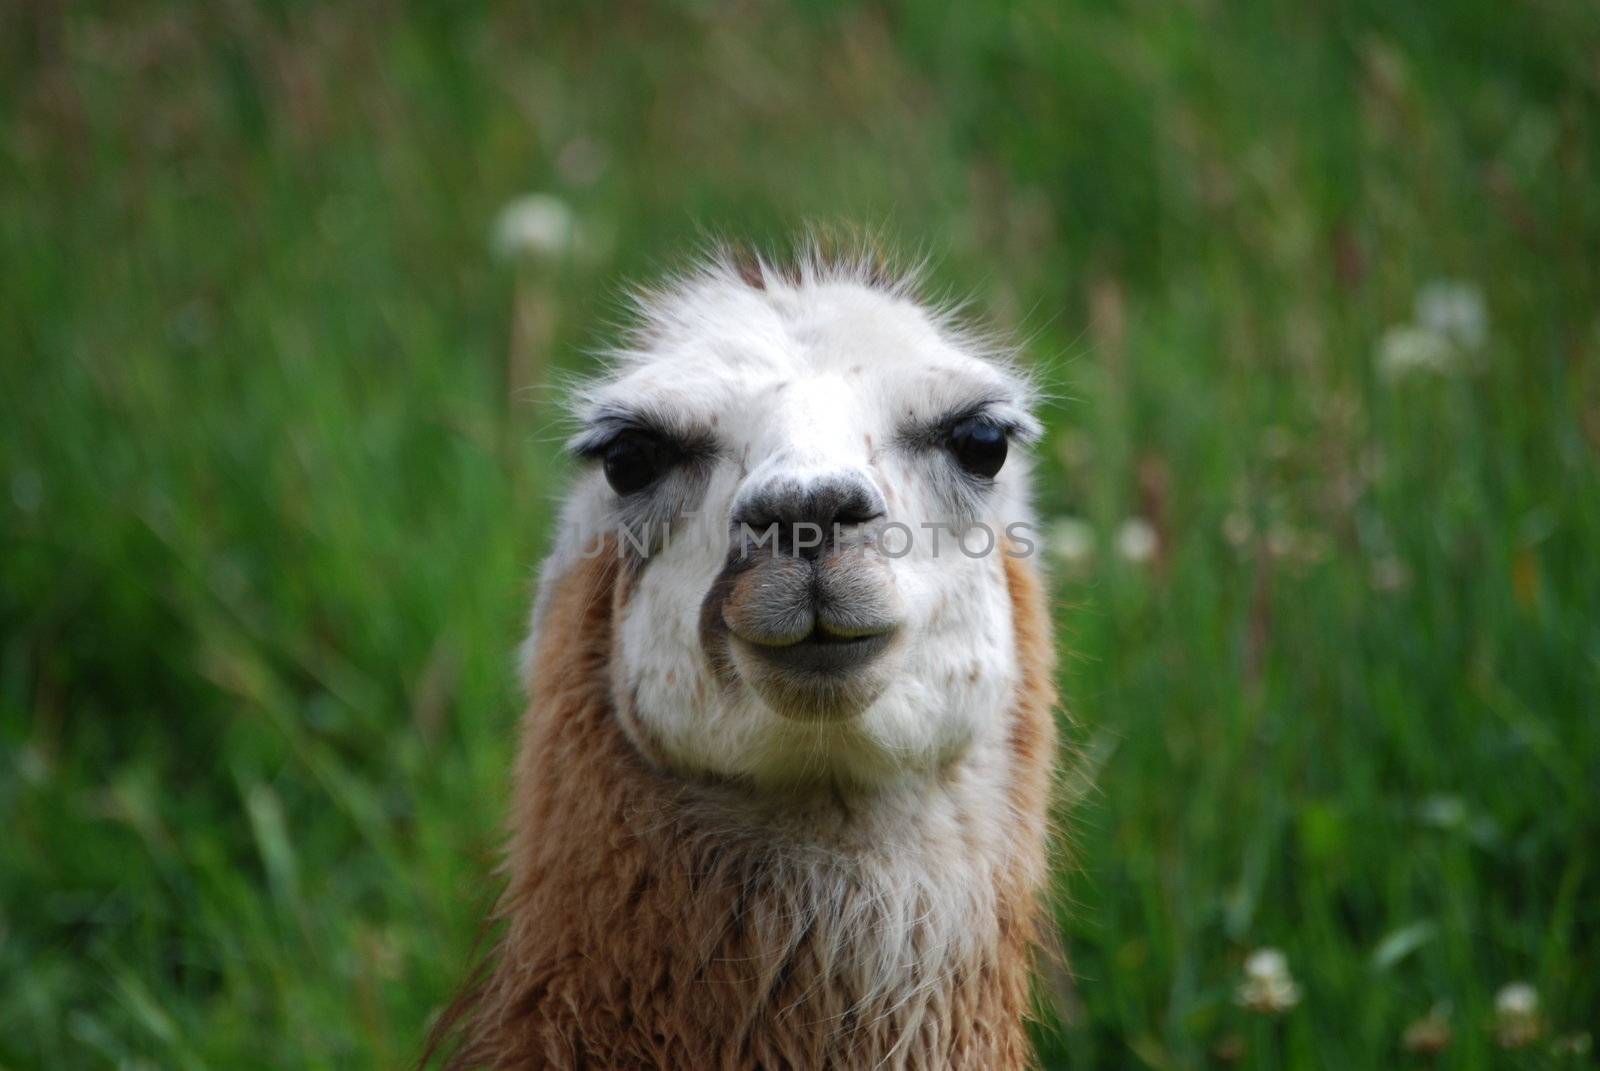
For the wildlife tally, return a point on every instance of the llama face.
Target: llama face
(812, 481)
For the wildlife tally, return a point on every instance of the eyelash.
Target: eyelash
(591, 445)
(932, 436)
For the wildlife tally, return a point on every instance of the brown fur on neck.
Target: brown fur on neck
(654, 923)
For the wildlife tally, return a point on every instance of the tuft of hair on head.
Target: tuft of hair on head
(823, 253)
(820, 255)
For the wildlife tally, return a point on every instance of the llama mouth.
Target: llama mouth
(822, 655)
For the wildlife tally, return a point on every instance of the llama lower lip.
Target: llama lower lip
(822, 655)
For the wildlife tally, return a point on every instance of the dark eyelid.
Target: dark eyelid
(607, 426)
(976, 411)
(934, 432)
(592, 443)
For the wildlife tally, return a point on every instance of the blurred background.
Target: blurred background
(283, 287)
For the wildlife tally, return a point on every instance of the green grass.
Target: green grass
(268, 516)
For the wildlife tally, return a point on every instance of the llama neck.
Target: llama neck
(654, 923)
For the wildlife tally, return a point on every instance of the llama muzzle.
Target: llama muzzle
(810, 634)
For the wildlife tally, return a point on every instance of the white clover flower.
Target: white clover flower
(535, 225)
(1517, 1022)
(1450, 324)
(1454, 310)
(1407, 349)
(1517, 999)
(1266, 963)
(1268, 987)
(1071, 540)
(1136, 540)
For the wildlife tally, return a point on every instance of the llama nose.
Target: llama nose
(804, 514)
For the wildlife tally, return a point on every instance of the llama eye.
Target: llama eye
(978, 446)
(634, 461)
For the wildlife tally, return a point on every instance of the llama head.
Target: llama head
(812, 481)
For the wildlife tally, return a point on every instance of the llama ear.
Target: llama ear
(746, 263)
(855, 252)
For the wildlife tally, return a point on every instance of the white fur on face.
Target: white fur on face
(799, 380)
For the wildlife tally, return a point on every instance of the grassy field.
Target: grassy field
(1316, 285)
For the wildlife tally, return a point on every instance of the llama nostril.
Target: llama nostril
(857, 513)
(803, 516)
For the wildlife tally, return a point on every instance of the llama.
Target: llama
(781, 795)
